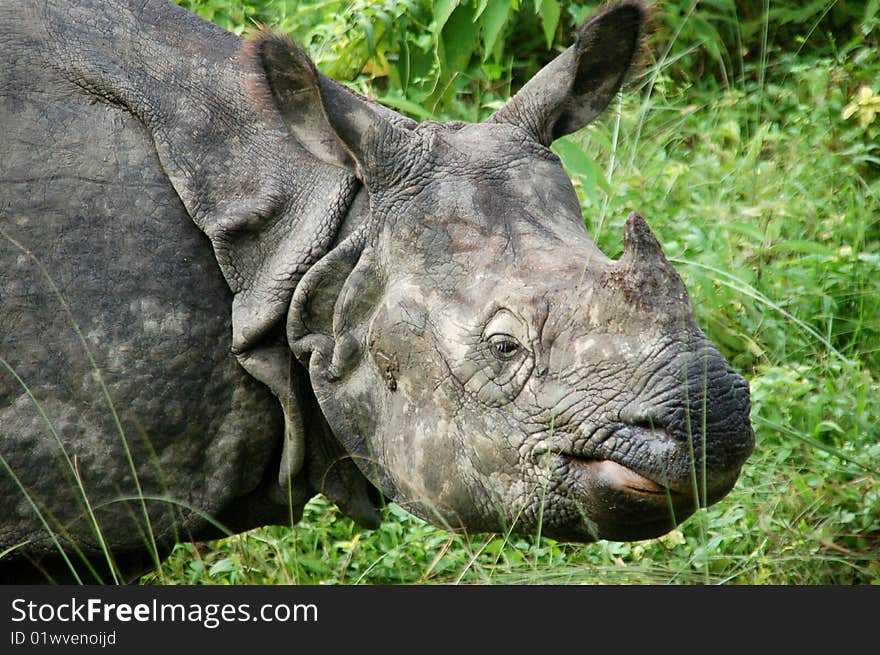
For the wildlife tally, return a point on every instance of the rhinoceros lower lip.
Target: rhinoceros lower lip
(618, 476)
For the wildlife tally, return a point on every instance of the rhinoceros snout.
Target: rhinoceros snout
(694, 427)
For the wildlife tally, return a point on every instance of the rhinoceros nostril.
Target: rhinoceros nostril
(652, 422)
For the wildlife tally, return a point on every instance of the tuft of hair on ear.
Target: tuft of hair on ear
(642, 16)
(642, 59)
(275, 67)
(255, 85)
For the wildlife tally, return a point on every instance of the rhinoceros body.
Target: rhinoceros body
(227, 283)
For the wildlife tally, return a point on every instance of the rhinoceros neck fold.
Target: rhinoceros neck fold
(269, 208)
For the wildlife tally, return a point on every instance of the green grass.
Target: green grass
(767, 200)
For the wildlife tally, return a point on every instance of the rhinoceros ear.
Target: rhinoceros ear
(574, 88)
(332, 122)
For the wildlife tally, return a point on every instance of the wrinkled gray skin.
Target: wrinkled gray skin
(422, 299)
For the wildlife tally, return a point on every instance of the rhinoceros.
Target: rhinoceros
(229, 283)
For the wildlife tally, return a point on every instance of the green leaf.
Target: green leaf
(402, 104)
(804, 247)
(225, 565)
(311, 563)
(367, 27)
(459, 40)
(573, 158)
(578, 163)
(442, 11)
(497, 13)
(748, 230)
(550, 12)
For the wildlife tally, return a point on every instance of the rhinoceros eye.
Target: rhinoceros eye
(505, 334)
(504, 346)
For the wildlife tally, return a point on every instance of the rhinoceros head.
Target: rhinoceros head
(474, 354)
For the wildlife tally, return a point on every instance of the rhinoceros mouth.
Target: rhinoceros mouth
(623, 500)
(621, 476)
(675, 471)
(614, 475)
(617, 502)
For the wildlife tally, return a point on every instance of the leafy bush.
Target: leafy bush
(462, 58)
